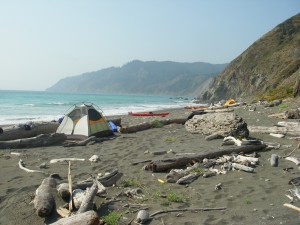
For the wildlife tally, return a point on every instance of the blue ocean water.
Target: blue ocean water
(24, 106)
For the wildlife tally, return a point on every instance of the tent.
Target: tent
(84, 120)
(229, 102)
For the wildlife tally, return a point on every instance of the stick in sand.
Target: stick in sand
(70, 188)
(186, 209)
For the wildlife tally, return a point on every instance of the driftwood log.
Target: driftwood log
(107, 181)
(87, 141)
(177, 163)
(43, 201)
(290, 131)
(88, 201)
(148, 125)
(15, 132)
(38, 141)
(87, 218)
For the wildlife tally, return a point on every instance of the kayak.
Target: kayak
(148, 114)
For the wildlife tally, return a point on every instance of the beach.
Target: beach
(249, 198)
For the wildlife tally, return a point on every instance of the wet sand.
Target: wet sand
(249, 198)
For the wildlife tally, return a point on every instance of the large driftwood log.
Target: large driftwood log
(44, 201)
(148, 125)
(290, 131)
(176, 163)
(87, 218)
(38, 141)
(16, 132)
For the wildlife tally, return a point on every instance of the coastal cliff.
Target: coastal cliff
(268, 69)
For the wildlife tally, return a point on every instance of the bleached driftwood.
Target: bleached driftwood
(16, 153)
(242, 167)
(289, 124)
(290, 206)
(241, 158)
(293, 159)
(63, 212)
(236, 141)
(87, 202)
(274, 160)
(86, 218)
(22, 167)
(65, 160)
(107, 181)
(291, 131)
(179, 162)
(44, 201)
(277, 135)
(32, 142)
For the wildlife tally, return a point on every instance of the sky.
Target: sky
(43, 41)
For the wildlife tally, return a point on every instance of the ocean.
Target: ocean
(17, 107)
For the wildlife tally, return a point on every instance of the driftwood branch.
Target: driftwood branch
(22, 167)
(87, 202)
(65, 160)
(176, 163)
(38, 141)
(187, 209)
(290, 206)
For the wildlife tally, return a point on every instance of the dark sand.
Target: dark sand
(250, 198)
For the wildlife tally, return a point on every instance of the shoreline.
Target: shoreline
(249, 198)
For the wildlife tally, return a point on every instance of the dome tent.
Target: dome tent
(84, 120)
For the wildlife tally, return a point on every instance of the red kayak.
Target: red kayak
(148, 114)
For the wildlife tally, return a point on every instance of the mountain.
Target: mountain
(138, 77)
(268, 69)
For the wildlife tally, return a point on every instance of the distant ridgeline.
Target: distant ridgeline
(268, 69)
(137, 77)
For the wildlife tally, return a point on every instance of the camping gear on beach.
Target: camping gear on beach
(148, 114)
(84, 120)
(229, 102)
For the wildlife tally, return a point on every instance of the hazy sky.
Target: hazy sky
(43, 41)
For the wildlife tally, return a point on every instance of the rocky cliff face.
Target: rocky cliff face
(268, 69)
